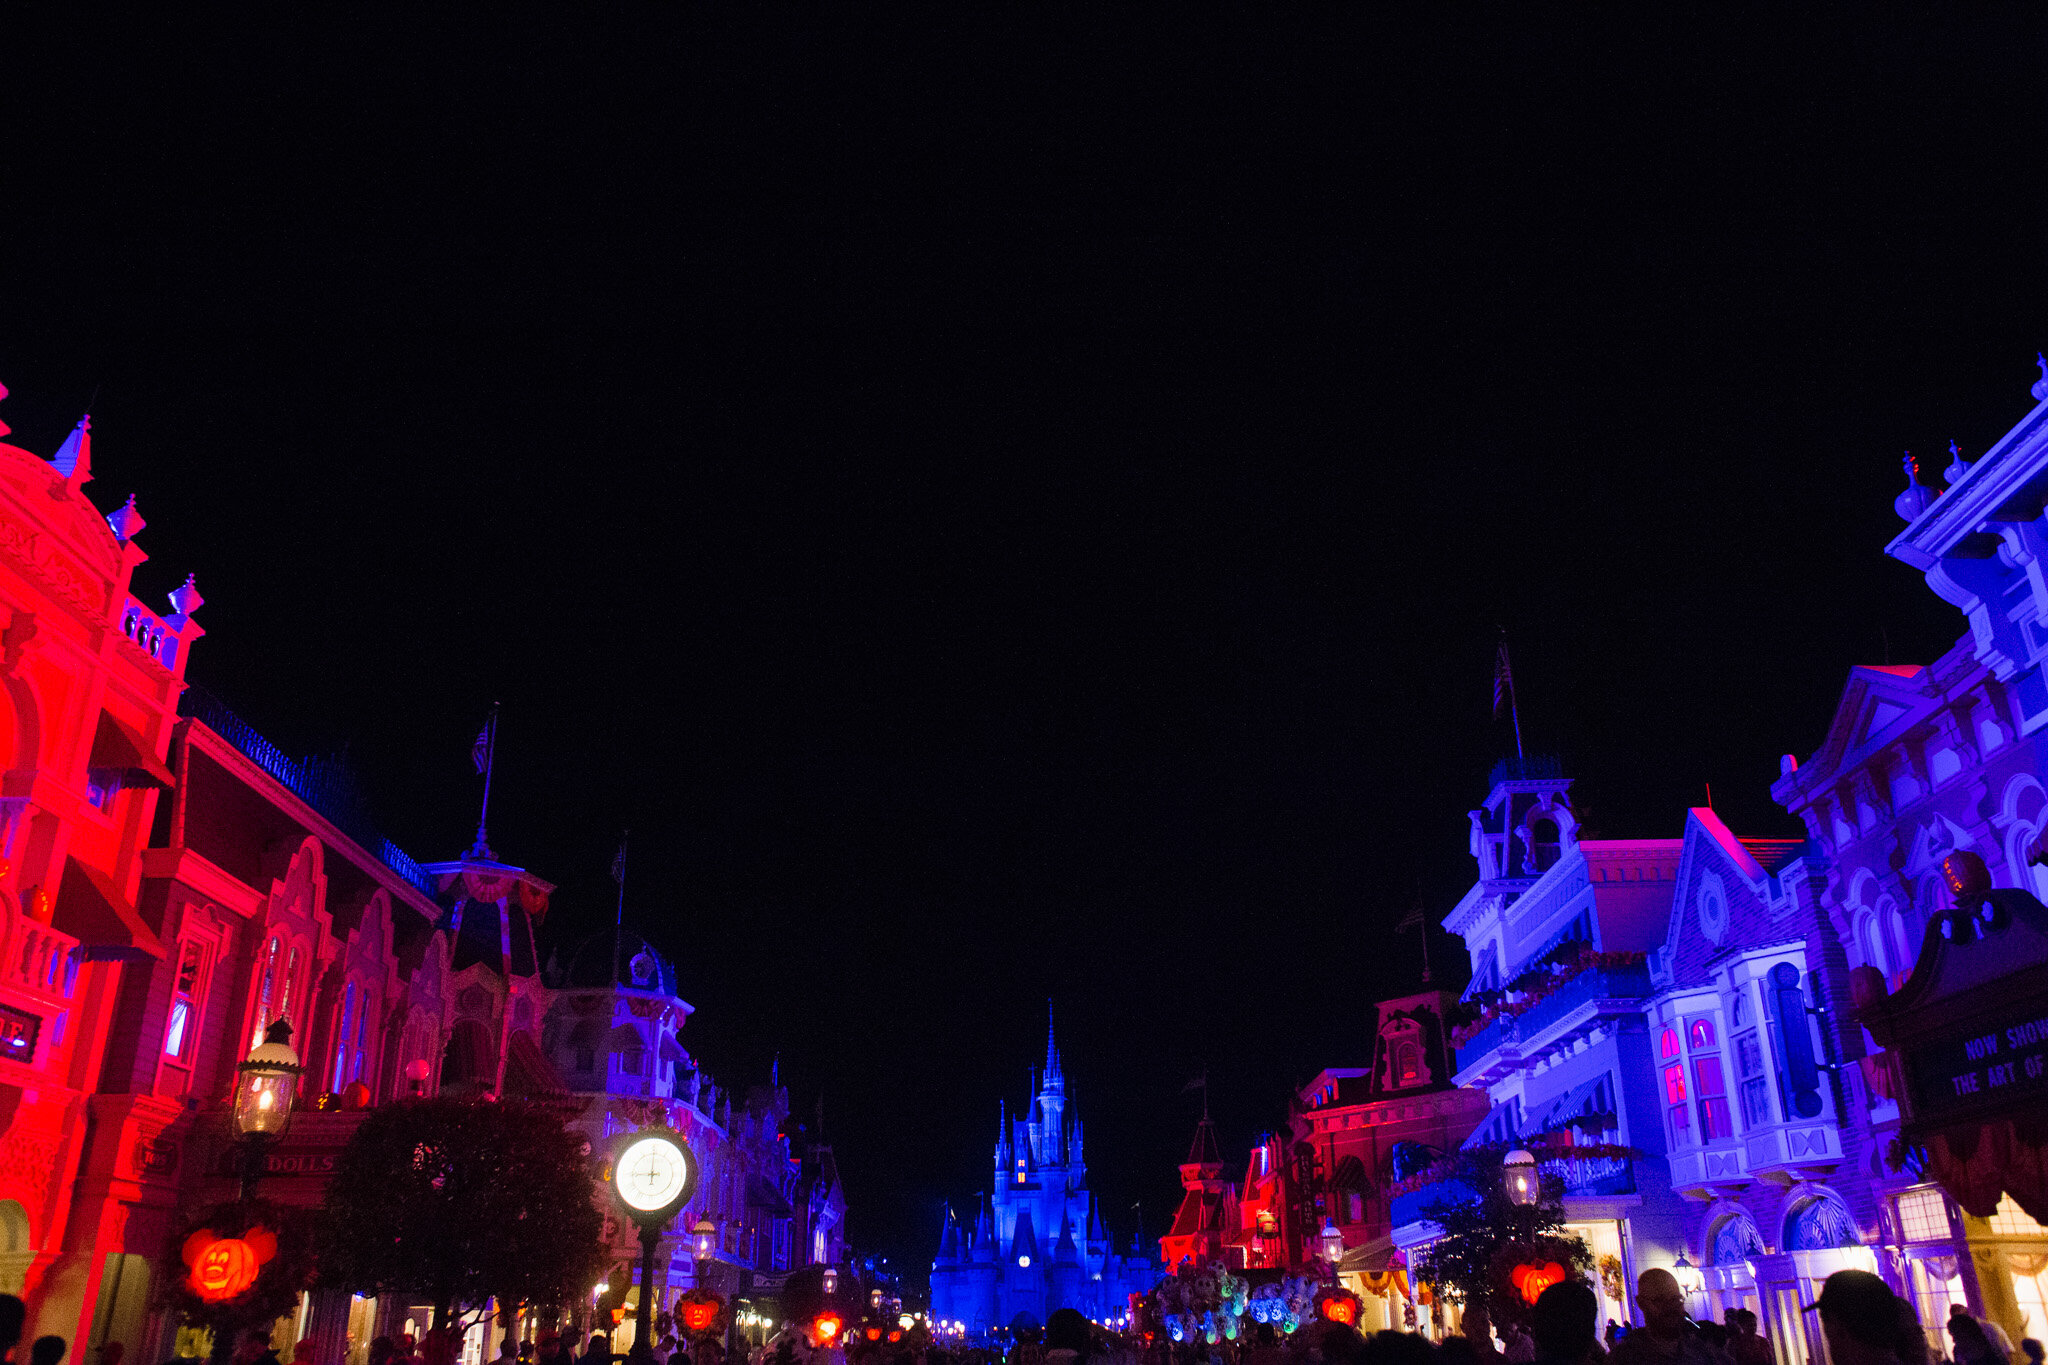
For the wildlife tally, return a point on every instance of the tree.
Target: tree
(1487, 1237)
(460, 1201)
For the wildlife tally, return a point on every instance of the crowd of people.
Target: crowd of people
(1861, 1319)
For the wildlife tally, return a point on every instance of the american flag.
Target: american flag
(619, 862)
(480, 752)
(1503, 679)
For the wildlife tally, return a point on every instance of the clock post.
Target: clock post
(654, 1172)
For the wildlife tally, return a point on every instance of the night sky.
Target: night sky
(1009, 507)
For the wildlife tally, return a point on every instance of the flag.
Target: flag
(619, 863)
(1503, 679)
(480, 752)
(1200, 1082)
(1411, 920)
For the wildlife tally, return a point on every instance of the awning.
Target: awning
(1369, 1258)
(1498, 1126)
(763, 1195)
(116, 745)
(92, 910)
(1573, 1109)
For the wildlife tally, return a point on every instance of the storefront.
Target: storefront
(1966, 1055)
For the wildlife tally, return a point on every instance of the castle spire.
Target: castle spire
(74, 458)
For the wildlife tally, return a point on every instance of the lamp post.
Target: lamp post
(831, 1280)
(704, 1240)
(264, 1087)
(653, 1174)
(1690, 1279)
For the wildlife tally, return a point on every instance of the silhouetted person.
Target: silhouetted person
(1859, 1316)
(1564, 1323)
(46, 1351)
(13, 1314)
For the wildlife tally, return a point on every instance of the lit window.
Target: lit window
(180, 1033)
(1674, 1101)
(1923, 1216)
(1667, 1046)
(348, 1010)
(362, 1037)
(1701, 1033)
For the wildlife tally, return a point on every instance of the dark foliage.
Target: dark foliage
(275, 1290)
(459, 1201)
(1486, 1236)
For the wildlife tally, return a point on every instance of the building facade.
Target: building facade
(1038, 1242)
(171, 882)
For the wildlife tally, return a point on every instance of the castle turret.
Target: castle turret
(949, 1242)
(984, 1248)
(1023, 1245)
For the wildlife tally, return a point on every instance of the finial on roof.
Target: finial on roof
(125, 521)
(2041, 384)
(74, 458)
(1957, 465)
(185, 598)
(1918, 497)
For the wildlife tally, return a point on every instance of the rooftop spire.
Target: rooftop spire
(74, 458)
(1918, 497)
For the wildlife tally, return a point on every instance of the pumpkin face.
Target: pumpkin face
(699, 1314)
(1532, 1280)
(224, 1270)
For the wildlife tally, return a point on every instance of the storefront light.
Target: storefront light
(1518, 1174)
(1688, 1275)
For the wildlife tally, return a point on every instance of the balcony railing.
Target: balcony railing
(147, 631)
(325, 784)
(43, 962)
(1595, 983)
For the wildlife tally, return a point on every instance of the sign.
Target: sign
(1993, 1068)
(316, 1162)
(18, 1033)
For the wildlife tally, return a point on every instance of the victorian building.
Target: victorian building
(171, 883)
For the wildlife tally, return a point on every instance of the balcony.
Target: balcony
(43, 963)
(1592, 1174)
(1711, 1170)
(1608, 990)
(1802, 1149)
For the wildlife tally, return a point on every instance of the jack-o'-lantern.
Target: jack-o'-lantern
(221, 1268)
(1532, 1280)
(698, 1314)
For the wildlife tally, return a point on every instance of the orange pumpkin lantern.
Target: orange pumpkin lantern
(1532, 1280)
(220, 1268)
(698, 1314)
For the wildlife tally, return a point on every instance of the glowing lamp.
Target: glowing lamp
(831, 1280)
(1332, 1242)
(825, 1328)
(1688, 1275)
(265, 1084)
(707, 1239)
(1518, 1174)
(904, 1320)
(1023, 1263)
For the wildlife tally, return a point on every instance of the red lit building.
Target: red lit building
(171, 882)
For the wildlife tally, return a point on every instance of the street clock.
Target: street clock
(653, 1175)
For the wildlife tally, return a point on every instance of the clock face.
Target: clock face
(651, 1174)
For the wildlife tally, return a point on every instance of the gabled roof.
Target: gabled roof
(1878, 702)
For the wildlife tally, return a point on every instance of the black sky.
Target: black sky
(1009, 506)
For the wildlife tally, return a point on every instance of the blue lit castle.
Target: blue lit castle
(1038, 1242)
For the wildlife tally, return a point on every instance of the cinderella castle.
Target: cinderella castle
(1037, 1242)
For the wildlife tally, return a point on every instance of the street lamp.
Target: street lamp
(705, 1235)
(1518, 1173)
(1332, 1246)
(831, 1280)
(1688, 1276)
(264, 1086)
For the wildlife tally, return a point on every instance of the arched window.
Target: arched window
(1735, 1241)
(1408, 1063)
(1701, 1033)
(362, 1038)
(1819, 1223)
(1667, 1045)
(1870, 939)
(266, 987)
(341, 1036)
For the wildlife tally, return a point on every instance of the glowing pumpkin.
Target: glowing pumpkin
(224, 1270)
(699, 1314)
(1532, 1280)
(1341, 1309)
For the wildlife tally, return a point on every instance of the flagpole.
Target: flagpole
(483, 845)
(619, 919)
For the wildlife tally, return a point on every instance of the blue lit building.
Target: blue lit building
(1038, 1242)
